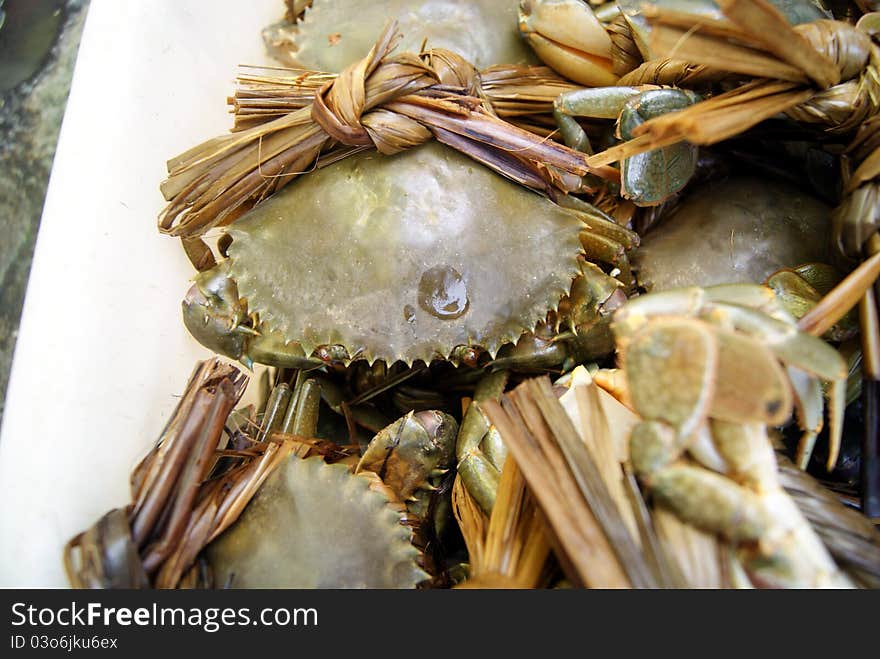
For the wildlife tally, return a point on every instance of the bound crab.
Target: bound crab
(818, 82)
(419, 256)
(395, 275)
(709, 371)
(365, 522)
(218, 479)
(821, 75)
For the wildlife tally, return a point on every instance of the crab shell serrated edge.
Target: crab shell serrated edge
(297, 480)
(511, 333)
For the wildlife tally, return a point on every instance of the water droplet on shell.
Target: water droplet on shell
(443, 293)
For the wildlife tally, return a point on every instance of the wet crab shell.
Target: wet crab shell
(404, 257)
(332, 34)
(738, 230)
(316, 525)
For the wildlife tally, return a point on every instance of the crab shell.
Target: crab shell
(404, 257)
(316, 525)
(739, 230)
(332, 34)
(410, 256)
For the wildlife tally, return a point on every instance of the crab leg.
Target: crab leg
(410, 451)
(843, 298)
(686, 353)
(808, 352)
(683, 377)
(479, 450)
(600, 248)
(598, 103)
(599, 222)
(808, 404)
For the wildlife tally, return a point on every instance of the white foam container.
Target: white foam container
(102, 352)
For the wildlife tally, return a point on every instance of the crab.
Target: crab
(328, 35)
(748, 228)
(372, 259)
(708, 371)
(625, 81)
(416, 257)
(612, 46)
(341, 525)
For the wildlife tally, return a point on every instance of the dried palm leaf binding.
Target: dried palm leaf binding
(407, 257)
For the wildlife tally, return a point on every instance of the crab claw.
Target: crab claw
(407, 452)
(213, 312)
(215, 315)
(569, 39)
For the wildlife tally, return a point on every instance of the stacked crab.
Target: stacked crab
(422, 284)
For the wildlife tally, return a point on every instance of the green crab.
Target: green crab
(625, 81)
(420, 256)
(738, 229)
(327, 35)
(315, 524)
(406, 270)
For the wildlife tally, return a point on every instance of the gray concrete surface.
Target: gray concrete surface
(30, 118)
